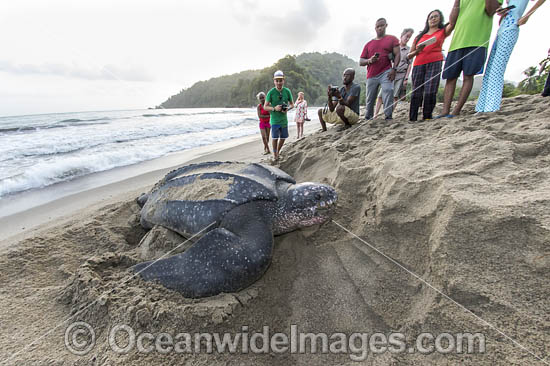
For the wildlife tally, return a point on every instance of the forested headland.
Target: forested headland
(308, 72)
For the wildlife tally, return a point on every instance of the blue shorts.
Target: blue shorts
(469, 60)
(279, 132)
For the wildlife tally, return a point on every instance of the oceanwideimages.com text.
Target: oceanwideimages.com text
(123, 339)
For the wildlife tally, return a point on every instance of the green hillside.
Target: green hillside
(308, 72)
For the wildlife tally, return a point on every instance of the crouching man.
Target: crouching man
(343, 104)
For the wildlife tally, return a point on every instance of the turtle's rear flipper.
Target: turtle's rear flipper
(226, 259)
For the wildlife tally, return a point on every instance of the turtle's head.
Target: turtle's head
(305, 204)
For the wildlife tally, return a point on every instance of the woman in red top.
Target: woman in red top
(264, 117)
(426, 71)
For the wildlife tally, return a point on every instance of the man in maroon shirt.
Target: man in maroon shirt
(380, 72)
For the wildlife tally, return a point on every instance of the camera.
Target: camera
(284, 107)
(333, 90)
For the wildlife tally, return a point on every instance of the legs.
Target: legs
(467, 83)
(490, 97)
(432, 76)
(378, 106)
(300, 130)
(418, 77)
(483, 94)
(321, 120)
(372, 91)
(546, 91)
(278, 144)
(340, 111)
(387, 94)
(265, 139)
(469, 61)
(278, 136)
(399, 90)
(275, 144)
(450, 87)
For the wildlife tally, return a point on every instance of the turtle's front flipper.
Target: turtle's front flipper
(226, 259)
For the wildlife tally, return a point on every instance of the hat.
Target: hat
(278, 75)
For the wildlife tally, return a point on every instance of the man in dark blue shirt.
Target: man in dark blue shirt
(343, 104)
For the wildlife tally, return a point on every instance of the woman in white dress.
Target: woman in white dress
(301, 114)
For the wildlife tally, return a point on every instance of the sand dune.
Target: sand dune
(463, 203)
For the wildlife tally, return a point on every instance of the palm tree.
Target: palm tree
(529, 85)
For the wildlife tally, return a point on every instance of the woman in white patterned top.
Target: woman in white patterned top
(301, 114)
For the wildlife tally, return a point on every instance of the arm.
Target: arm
(258, 110)
(365, 60)
(368, 61)
(491, 7)
(414, 50)
(348, 101)
(525, 18)
(396, 58)
(407, 74)
(330, 103)
(351, 98)
(452, 18)
(269, 108)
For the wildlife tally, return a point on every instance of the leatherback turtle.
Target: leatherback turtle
(241, 206)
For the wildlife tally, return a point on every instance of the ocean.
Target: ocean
(38, 151)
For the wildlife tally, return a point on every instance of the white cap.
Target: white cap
(278, 75)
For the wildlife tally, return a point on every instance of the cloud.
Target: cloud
(354, 39)
(243, 10)
(107, 72)
(301, 25)
(294, 26)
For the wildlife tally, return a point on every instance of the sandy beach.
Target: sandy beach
(442, 226)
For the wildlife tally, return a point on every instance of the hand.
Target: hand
(502, 13)
(420, 48)
(337, 94)
(373, 60)
(278, 108)
(523, 20)
(405, 81)
(391, 75)
(328, 91)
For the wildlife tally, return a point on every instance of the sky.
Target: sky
(85, 55)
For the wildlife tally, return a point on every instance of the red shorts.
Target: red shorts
(264, 125)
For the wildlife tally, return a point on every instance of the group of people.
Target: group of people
(388, 59)
(390, 62)
(272, 113)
